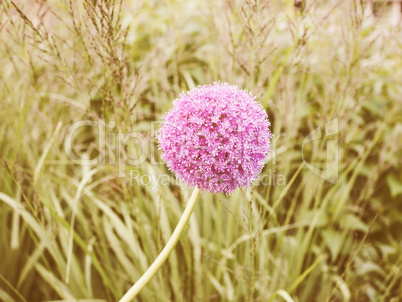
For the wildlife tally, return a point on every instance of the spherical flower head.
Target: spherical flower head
(215, 137)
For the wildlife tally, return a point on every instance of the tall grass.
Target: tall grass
(71, 232)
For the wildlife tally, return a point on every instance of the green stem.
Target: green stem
(136, 288)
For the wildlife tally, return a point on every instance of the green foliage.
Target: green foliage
(71, 232)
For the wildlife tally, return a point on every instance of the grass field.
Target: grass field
(71, 231)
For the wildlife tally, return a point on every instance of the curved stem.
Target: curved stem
(151, 271)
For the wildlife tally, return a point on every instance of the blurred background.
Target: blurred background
(70, 231)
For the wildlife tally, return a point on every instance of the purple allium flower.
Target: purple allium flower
(215, 137)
